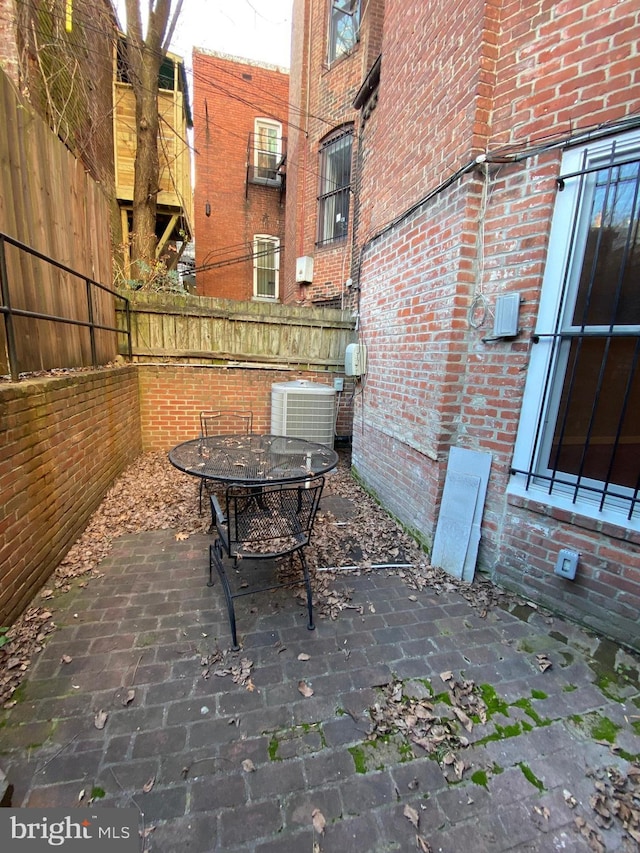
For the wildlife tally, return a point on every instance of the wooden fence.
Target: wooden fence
(50, 203)
(200, 330)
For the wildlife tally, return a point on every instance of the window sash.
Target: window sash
(266, 267)
(585, 447)
(335, 182)
(343, 28)
(267, 149)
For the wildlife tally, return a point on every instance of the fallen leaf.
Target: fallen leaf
(319, 821)
(304, 688)
(248, 766)
(128, 699)
(100, 719)
(148, 785)
(81, 795)
(446, 676)
(543, 663)
(412, 815)
(423, 845)
(180, 537)
(304, 656)
(66, 659)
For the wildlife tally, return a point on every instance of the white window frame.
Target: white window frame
(538, 402)
(259, 241)
(259, 152)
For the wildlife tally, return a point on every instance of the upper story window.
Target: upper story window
(344, 25)
(335, 187)
(266, 267)
(267, 150)
(578, 444)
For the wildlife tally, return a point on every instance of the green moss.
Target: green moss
(569, 688)
(406, 752)
(530, 776)
(526, 706)
(501, 733)
(539, 694)
(605, 729)
(97, 793)
(495, 705)
(480, 778)
(359, 760)
(273, 749)
(636, 726)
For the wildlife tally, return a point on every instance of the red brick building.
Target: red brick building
(492, 243)
(332, 47)
(240, 121)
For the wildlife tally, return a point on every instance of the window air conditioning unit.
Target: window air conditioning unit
(303, 409)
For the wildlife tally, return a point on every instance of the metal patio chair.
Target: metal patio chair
(263, 522)
(223, 422)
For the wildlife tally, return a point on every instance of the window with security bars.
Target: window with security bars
(335, 187)
(266, 267)
(343, 28)
(579, 438)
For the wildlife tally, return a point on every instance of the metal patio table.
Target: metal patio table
(251, 458)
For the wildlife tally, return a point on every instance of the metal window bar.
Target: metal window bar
(614, 330)
(9, 312)
(335, 183)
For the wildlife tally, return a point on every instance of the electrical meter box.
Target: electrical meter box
(304, 270)
(355, 360)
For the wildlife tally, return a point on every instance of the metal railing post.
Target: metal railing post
(8, 317)
(92, 330)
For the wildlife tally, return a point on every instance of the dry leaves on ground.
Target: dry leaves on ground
(153, 495)
(616, 801)
(429, 724)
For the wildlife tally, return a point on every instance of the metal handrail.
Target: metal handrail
(9, 312)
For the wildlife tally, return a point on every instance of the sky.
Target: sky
(253, 29)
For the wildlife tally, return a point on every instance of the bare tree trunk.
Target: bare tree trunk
(145, 56)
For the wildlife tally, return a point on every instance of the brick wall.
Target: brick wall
(496, 78)
(322, 100)
(229, 94)
(64, 440)
(172, 397)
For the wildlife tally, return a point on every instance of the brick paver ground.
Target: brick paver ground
(217, 764)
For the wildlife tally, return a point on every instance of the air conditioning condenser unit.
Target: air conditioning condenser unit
(303, 409)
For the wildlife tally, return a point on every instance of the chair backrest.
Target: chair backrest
(271, 519)
(226, 422)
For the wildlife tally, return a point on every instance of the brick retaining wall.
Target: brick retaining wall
(173, 395)
(64, 440)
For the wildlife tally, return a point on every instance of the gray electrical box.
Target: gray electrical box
(567, 564)
(505, 324)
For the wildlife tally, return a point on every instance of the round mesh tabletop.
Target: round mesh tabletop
(252, 458)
